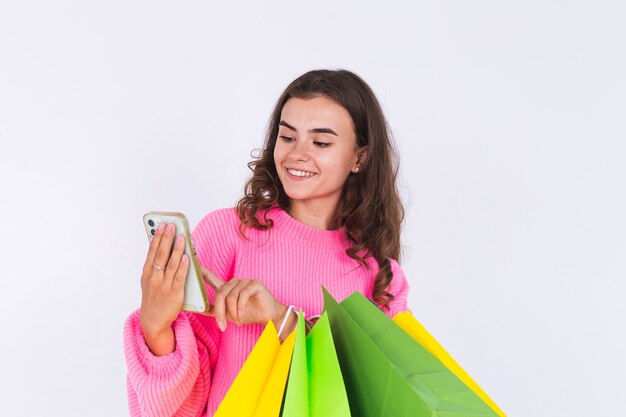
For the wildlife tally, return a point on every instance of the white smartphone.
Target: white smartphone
(195, 292)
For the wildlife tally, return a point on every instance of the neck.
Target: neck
(318, 216)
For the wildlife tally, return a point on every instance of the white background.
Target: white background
(509, 117)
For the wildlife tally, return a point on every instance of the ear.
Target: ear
(361, 157)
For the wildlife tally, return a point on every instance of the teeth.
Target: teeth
(300, 173)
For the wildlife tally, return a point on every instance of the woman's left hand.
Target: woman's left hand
(242, 301)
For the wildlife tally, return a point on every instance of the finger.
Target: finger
(219, 303)
(180, 276)
(152, 249)
(165, 246)
(209, 311)
(232, 302)
(244, 297)
(211, 279)
(175, 258)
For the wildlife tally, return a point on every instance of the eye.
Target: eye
(321, 144)
(286, 138)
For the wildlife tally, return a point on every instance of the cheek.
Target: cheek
(340, 163)
(278, 154)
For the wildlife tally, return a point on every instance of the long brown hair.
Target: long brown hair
(370, 209)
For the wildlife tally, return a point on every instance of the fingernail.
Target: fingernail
(240, 314)
(221, 325)
(179, 240)
(160, 228)
(185, 259)
(170, 228)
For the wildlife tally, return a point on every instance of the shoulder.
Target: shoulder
(224, 218)
(218, 228)
(396, 269)
(216, 238)
(399, 280)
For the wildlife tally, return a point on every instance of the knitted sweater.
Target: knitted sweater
(292, 259)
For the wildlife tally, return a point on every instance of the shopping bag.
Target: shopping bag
(387, 373)
(414, 328)
(258, 389)
(315, 387)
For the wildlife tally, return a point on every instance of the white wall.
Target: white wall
(510, 121)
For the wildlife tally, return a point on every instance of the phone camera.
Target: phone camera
(151, 223)
(152, 232)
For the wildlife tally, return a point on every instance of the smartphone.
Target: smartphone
(195, 292)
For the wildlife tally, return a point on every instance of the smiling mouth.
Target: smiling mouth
(300, 174)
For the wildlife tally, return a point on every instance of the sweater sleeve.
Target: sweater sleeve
(178, 384)
(399, 288)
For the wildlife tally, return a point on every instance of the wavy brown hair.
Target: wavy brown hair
(370, 208)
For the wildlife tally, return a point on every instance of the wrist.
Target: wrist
(280, 314)
(159, 339)
(288, 323)
(160, 343)
(154, 332)
(150, 328)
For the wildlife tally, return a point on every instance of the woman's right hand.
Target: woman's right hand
(162, 289)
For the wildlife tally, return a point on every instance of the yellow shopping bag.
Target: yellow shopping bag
(414, 328)
(259, 387)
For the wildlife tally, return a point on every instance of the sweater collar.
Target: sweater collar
(308, 235)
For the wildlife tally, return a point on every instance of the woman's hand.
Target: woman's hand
(162, 289)
(242, 301)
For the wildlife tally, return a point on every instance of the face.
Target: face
(315, 151)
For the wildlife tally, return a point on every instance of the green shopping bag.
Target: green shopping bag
(387, 373)
(315, 386)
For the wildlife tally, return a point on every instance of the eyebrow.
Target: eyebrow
(315, 130)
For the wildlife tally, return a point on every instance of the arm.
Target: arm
(173, 375)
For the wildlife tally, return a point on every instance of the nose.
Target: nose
(299, 151)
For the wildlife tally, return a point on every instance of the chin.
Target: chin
(297, 196)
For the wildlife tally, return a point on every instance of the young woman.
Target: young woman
(321, 209)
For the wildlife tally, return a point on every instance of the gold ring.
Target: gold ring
(159, 267)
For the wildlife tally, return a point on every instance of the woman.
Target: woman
(321, 209)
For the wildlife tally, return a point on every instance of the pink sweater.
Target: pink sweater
(292, 259)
